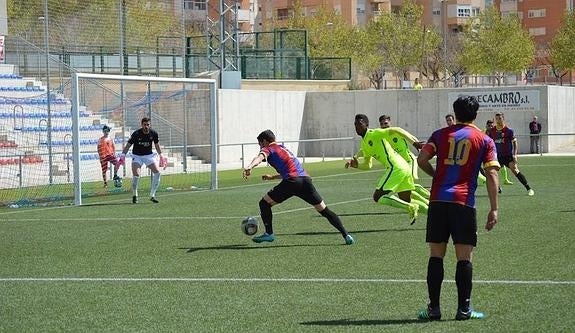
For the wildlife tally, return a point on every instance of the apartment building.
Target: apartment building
(542, 18)
(360, 12)
(255, 15)
(194, 12)
(450, 16)
(354, 12)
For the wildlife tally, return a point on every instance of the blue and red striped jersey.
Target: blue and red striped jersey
(460, 150)
(503, 138)
(281, 159)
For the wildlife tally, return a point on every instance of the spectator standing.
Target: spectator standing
(534, 130)
(417, 85)
(450, 119)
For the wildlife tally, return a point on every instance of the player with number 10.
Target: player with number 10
(461, 150)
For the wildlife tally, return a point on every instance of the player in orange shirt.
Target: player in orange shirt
(107, 153)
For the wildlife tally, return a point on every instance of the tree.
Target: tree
(74, 23)
(496, 46)
(400, 40)
(366, 56)
(562, 52)
(326, 32)
(433, 62)
(328, 35)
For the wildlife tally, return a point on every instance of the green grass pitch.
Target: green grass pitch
(184, 266)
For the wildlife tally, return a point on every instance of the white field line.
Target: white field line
(164, 218)
(278, 280)
(16, 211)
(236, 187)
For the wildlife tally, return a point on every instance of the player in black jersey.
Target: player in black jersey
(142, 154)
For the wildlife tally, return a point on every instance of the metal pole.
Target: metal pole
(149, 100)
(76, 140)
(222, 41)
(214, 137)
(444, 10)
(122, 42)
(123, 38)
(423, 54)
(48, 94)
(185, 150)
(184, 41)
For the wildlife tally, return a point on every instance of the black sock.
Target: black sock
(266, 214)
(434, 280)
(523, 180)
(463, 277)
(334, 220)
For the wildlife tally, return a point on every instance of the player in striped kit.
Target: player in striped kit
(295, 181)
(507, 149)
(461, 150)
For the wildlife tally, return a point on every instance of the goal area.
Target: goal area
(182, 111)
(48, 140)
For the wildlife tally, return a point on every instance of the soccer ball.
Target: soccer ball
(118, 182)
(250, 226)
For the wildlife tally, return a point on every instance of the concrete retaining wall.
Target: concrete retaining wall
(297, 115)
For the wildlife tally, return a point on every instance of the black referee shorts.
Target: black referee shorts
(301, 187)
(445, 219)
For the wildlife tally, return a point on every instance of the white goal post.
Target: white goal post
(181, 90)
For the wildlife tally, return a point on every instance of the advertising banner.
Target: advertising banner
(503, 101)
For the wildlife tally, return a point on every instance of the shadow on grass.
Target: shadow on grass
(362, 322)
(106, 204)
(234, 247)
(372, 213)
(353, 232)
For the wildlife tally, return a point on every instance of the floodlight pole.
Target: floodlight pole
(444, 28)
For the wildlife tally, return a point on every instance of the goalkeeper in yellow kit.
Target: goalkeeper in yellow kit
(395, 187)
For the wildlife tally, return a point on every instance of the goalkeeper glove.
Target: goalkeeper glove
(121, 160)
(163, 162)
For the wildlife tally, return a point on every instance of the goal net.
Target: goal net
(48, 142)
(182, 112)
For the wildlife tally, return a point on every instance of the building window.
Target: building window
(436, 11)
(195, 4)
(537, 31)
(475, 11)
(463, 11)
(283, 13)
(536, 13)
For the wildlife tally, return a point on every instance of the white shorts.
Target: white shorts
(146, 160)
